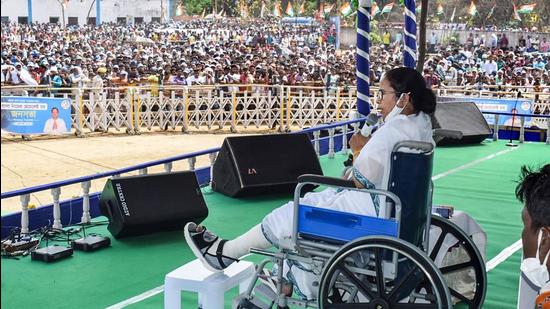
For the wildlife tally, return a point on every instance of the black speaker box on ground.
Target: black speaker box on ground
(461, 116)
(138, 205)
(253, 165)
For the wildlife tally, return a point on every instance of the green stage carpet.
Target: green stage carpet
(479, 180)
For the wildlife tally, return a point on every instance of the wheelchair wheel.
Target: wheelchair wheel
(464, 269)
(366, 267)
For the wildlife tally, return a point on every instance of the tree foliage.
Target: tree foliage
(501, 16)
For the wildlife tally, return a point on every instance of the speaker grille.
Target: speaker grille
(464, 117)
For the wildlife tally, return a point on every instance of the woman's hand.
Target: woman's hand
(357, 142)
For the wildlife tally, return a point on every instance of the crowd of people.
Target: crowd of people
(226, 52)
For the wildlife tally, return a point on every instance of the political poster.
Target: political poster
(518, 106)
(36, 115)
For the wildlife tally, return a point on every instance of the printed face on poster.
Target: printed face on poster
(515, 106)
(36, 115)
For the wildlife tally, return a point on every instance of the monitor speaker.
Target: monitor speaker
(463, 117)
(138, 205)
(254, 165)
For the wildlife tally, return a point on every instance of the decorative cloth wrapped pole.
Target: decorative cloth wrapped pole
(410, 56)
(362, 57)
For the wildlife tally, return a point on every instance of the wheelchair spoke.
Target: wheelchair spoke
(438, 245)
(456, 267)
(379, 274)
(401, 282)
(362, 287)
(463, 298)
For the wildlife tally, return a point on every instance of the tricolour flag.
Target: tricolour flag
(375, 10)
(387, 8)
(472, 10)
(440, 10)
(516, 15)
(346, 9)
(302, 8)
(277, 10)
(527, 8)
(289, 10)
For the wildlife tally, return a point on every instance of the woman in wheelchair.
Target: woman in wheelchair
(405, 105)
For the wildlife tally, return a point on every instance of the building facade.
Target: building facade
(82, 12)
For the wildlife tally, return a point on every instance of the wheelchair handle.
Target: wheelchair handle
(423, 147)
(325, 180)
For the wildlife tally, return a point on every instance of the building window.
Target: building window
(5, 19)
(91, 21)
(155, 19)
(138, 20)
(121, 20)
(54, 19)
(23, 19)
(73, 21)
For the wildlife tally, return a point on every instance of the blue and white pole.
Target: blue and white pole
(410, 56)
(362, 57)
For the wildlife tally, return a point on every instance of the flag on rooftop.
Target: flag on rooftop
(277, 10)
(516, 15)
(440, 10)
(527, 8)
(346, 9)
(375, 10)
(289, 10)
(387, 8)
(473, 9)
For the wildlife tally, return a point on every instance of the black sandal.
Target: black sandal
(201, 242)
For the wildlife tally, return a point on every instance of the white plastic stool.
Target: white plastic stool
(211, 287)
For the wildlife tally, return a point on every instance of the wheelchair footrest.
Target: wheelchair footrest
(265, 291)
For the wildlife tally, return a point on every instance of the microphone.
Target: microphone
(370, 123)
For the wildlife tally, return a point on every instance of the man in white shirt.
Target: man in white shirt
(490, 66)
(55, 125)
(532, 190)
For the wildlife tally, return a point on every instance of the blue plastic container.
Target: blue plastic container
(341, 227)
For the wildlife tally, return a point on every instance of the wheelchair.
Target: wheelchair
(358, 261)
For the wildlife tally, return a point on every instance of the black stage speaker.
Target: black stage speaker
(461, 116)
(253, 165)
(138, 205)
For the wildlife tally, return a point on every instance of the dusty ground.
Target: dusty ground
(41, 161)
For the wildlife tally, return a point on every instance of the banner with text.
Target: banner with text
(36, 115)
(520, 105)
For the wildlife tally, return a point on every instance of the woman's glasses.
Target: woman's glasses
(383, 93)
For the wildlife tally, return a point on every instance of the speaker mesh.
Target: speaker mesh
(464, 117)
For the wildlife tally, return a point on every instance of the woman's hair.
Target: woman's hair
(533, 190)
(407, 80)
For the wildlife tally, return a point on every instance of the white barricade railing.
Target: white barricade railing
(136, 109)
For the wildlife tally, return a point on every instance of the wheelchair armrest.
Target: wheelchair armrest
(445, 133)
(324, 180)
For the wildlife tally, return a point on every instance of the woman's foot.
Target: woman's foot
(207, 247)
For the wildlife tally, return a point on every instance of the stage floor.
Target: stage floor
(479, 180)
